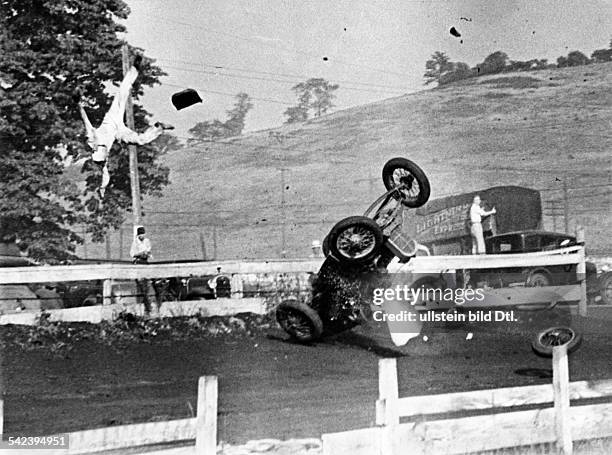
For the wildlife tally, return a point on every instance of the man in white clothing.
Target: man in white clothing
(141, 247)
(112, 128)
(141, 253)
(476, 215)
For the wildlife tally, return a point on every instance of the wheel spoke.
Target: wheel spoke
(296, 323)
(407, 182)
(356, 242)
(557, 337)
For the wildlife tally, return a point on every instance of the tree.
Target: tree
(435, 67)
(208, 130)
(602, 55)
(315, 94)
(51, 51)
(211, 130)
(574, 58)
(236, 116)
(460, 71)
(577, 58)
(296, 114)
(494, 63)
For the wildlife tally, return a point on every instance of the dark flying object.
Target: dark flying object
(185, 98)
(454, 32)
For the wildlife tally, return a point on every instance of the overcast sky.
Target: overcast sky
(374, 49)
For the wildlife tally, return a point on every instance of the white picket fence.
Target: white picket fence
(202, 428)
(500, 426)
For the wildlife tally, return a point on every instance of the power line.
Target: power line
(233, 95)
(238, 76)
(269, 73)
(274, 46)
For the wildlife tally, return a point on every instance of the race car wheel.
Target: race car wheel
(300, 321)
(356, 239)
(414, 183)
(325, 246)
(538, 279)
(545, 340)
(605, 288)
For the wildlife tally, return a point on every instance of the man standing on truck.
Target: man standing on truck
(477, 213)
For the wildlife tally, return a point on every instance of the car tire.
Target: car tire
(544, 341)
(400, 170)
(90, 300)
(355, 240)
(325, 246)
(605, 288)
(299, 320)
(538, 279)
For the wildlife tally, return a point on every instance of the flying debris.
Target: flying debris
(185, 98)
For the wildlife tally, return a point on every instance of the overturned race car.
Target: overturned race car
(358, 250)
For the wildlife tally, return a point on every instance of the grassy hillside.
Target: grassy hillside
(533, 129)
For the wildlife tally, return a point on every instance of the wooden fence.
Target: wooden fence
(98, 313)
(202, 428)
(503, 425)
(417, 265)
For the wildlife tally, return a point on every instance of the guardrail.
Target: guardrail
(419, 264)
(42, 274)
(511, 428)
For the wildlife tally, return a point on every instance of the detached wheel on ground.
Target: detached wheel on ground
(413, 184)
(356, 239)
(299, 320)
(544, 341)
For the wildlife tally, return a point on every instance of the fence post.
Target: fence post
(386, 409)
(236, 286)
(563, 430)
(206, 420)
(107, 291)
(581, 272)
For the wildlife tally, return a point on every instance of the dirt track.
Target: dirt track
(269, 387)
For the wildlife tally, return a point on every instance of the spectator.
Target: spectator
(476, 215)
(317, 251)
(141, 247)
(141, 253)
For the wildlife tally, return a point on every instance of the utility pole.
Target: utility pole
(129, 121)
(566, 204)
(284, 215)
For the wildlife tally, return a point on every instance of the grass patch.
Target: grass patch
(494, 95)
(518, 82)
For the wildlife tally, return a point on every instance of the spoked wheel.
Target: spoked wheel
(538, 279)
(411, 181)
(356, 239)
(545, 340)
(606, 288)
(166, 291)
(325, 246)
(299, 320)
